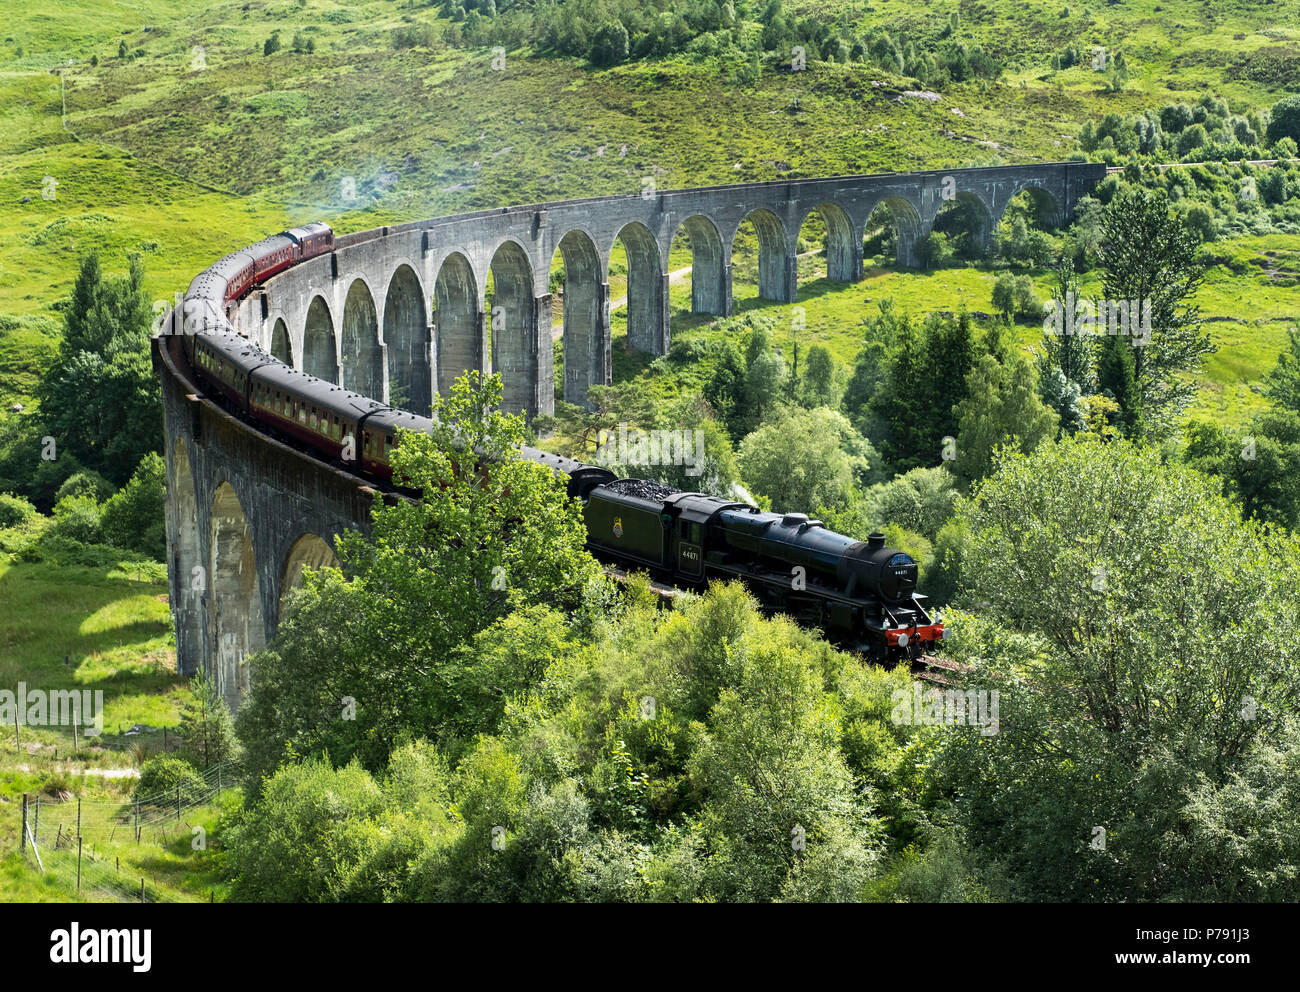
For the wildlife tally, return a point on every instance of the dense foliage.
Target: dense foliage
(372, 654)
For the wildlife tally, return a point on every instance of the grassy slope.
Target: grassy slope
(423, 132)
(114, 629)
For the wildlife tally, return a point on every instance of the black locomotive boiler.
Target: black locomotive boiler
(862, 594)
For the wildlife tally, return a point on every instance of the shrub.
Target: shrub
(920, 500)
(14, 511)
(135, 517)
(610, 45)
(87, 482)
(934, 250)
(77, 518)
(1284, 122)
(162, 776)
(311, 824)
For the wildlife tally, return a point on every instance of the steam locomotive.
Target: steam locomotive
(862, 595)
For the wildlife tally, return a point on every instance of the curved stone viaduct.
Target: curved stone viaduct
(397, 313)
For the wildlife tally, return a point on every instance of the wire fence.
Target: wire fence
(58, 740)
(81, 841)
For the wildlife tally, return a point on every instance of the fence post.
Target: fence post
(36, 827)
(78, 816)
(137, 821)
(142, 888)
(23, 842)
(78, 862)
(76, 744)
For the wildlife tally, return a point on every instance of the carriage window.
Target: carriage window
(313, 418)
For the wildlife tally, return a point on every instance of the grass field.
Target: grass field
(202, 144)
(109, 629)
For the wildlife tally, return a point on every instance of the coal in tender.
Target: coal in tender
(641, 488)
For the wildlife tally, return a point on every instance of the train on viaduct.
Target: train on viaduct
(397, 313)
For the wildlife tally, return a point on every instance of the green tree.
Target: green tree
(100, 397)
(1062, 348)
(920, 500)
(297, 843)
(1153, 261)
(871, 371)
(725, 389)
(1284, 121)
(708, 462)
(817, 387)
(78, 518)
(610, 45)
(1001, 406)
(926, 374)
(781, 804)
(805, 461)
(1004, 294)
(206, 726)
(934, 250)
(431, 574)
(607, 408)
(1282, 383)
(87, 482)
(1117, 379)
(1110, 579)
(1262, 467)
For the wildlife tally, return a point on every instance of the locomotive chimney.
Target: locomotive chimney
(875, 541)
